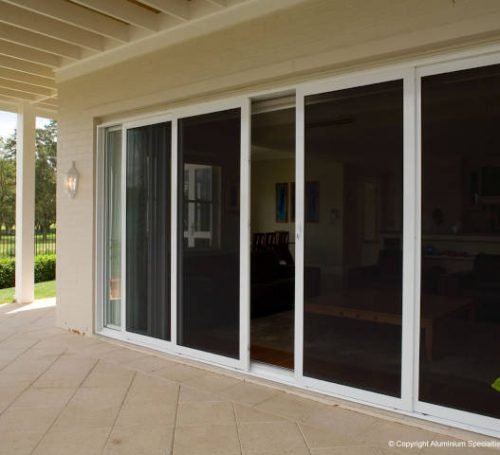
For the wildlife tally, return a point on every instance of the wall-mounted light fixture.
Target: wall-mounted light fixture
(71, 181)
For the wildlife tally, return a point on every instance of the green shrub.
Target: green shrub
(45, 270)
(7, 272)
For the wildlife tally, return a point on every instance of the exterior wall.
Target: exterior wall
(303, 42)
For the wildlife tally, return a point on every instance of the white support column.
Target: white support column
(25, 204)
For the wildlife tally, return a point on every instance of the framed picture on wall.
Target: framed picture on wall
(282, 202)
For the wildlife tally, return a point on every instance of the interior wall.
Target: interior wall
(293, 44)
(265, 175)
(325, 237)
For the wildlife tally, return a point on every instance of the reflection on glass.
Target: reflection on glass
(460, 285)
(353, 222)
(148, 230)
(201, 205)
(209, 230)
(113, 238)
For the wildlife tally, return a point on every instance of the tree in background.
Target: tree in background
(45, 178)
(7, 187)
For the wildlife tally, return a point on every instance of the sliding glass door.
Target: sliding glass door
(460, 235)
(148, 167)
(208, 225)
(353, 227)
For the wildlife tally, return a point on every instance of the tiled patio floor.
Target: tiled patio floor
(62, 393)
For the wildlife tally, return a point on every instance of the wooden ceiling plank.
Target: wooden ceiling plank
(28, 20)
(176, 8)
(27, 88)
(124, 11)
(218, 3)
(25, 67)
(17, 94)
(77, 16)
(29, 54)
(40, 42)
(19, 76)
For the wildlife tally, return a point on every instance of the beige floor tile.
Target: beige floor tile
(153, 414)
(347, 450)
(28, 419)
(121, 355)
(67, 371)
(179, 373)
(249, 414)
(74, 441)
(193, 394)
(212, 382)
(140, 439)
(205, 413)
(383, 431)
(206, 440)
(147, 390)
(149, 363)
(10, 393)
(335, 426)
(290, 406)
(272, 437)
(108, 375)
(249, 393)
(44, 397)
(27, 368)
(16, 442)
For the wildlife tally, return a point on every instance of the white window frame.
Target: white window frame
(411, 73)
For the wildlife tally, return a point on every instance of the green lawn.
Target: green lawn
(42, 291)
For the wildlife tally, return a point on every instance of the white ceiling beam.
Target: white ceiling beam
(25, 67)
(28, 20)
(29, 54)
(77, 16)
(27, 88)
(124, 11)
(27, 78)
(40, 42)
(17, 94)
(176, 8)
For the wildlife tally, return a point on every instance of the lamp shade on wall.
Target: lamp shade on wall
(71, 181)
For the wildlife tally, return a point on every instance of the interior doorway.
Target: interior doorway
(273, 231)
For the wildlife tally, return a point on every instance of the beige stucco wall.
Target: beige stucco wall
(303, 42)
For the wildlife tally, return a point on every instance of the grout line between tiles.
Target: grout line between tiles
(303, 437)
(132, 379)
(32, 382)
(237, 427)
(56, 418)
(171, 452)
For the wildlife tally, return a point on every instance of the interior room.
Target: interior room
(273, 231)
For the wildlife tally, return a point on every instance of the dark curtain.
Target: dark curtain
(148, 230)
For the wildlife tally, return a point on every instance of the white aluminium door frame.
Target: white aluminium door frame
(409, 204)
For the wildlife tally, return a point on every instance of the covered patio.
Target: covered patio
(63, 393)
(167, 112)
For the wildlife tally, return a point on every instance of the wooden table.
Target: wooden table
(385, 307)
